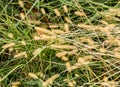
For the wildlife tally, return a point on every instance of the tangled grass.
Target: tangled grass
(59, 43)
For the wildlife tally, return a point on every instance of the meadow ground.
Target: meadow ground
(59, 43)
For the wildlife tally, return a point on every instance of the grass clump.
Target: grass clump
(61, 43)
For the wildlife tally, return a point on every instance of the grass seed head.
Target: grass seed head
(117, 49)
(43, 11)
(90, 41)
(14, 86)
(74, 81)
(32, 75)
(36, 37)
(22, 16)
(37, 22)
(104, 22)
(73, 67)
(11, 49)
(78, 13)
(15, 83)
(85, 26)
(84, 60)
(68, 20)
(56, 11)
(53, 26)
(108, 83)
(114, 10)
(66, 28)
(61, 40)
(21, 54)
(50, 80)
(64, 58)
(60, 54)
(47, 38)
(10, 35)
(68, 66)
(65, 80)
(36, 51)
(117, 42)
(65, 8)
(108, 17)
(72, 52)
(57, 31)
(44, 30)
(8, 45)
(102, 50)
(68, 47)
(70, 84)
(23, 42)
(76, 75)
(81, 60)
(117, 54)
(41, 74)
(21, 4)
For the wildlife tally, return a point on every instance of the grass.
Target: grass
(76, 46)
